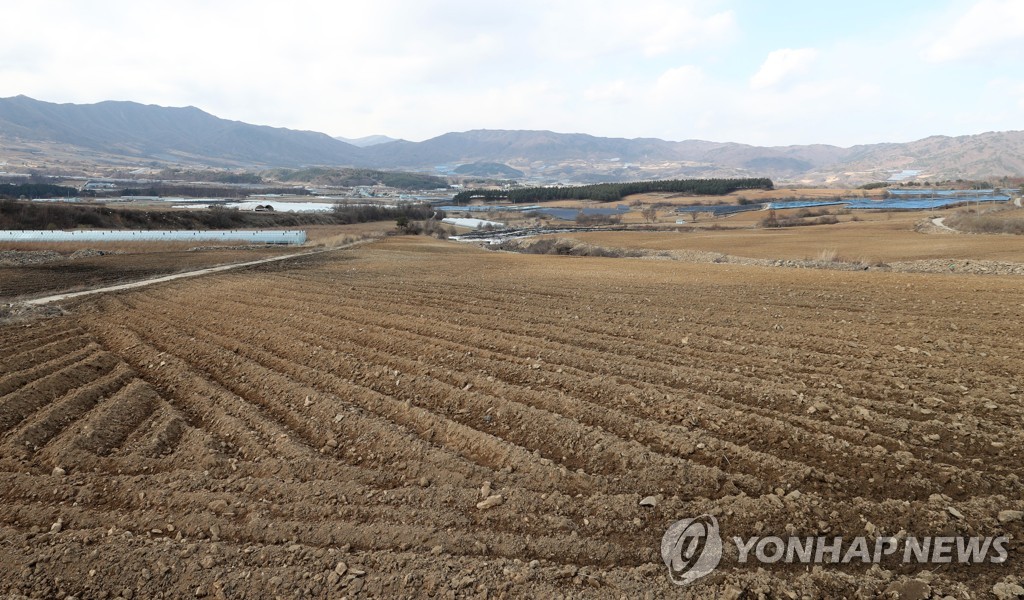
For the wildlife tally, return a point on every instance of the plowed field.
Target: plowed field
(326, 427)
(29, 280)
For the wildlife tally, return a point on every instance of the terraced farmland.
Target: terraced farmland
(417, 418)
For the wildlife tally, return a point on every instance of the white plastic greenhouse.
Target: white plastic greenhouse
(109, 235)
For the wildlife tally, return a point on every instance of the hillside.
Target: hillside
(34, 134)
(186, 134)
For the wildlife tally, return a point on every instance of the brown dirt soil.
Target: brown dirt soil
(320, 233)
(70, 273)
(325, 427)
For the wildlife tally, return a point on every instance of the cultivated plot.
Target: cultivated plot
(418, 418)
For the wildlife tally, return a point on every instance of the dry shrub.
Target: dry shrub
(828, 255)
(997, 220)
(564, 247)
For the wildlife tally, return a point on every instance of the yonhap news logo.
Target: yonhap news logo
(693, 548)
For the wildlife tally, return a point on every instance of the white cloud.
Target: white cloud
(990, 28)
(678, 83)
(593, 30)
(615, 92)
(781, 65)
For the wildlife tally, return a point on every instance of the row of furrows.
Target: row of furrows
(60, 414)
(864, 377)
(816, 354)
(719, 346)
(759, 464)
(616, 305)
(20, 341)
(204, 404)
(107, 428)
(252, 433)
(884, 398)
(522, 416)
(30, 390)
(409, 519)
(673, 407)
(613, 436)
(52, 361)
(280, 376)
(357, 516)
(868, 440)
(30, 359)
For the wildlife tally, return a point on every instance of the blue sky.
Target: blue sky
(768, 73)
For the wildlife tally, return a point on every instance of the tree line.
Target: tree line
(33, 215)
(36, 190)
(611, 192)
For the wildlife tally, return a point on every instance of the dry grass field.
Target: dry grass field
(878, 237)
(418, 418)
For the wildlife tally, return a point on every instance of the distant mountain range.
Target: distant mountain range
(126, 133)
(370, 140)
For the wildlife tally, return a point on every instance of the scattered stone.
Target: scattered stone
(911, 589)
(954, 512)
(58, 472)
(1005, 590)
(1008, 516)
(424, 482)
(731, 592)
(218, 506)
(341, 568)
(649, 501)
(485, 490)
(56, 527)
(490, 502)
(208, 562)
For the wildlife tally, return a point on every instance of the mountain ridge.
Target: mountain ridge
(133, 132)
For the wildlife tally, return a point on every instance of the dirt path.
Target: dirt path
(136, 284)
(940, 222)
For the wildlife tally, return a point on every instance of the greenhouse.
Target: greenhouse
(110, 235)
